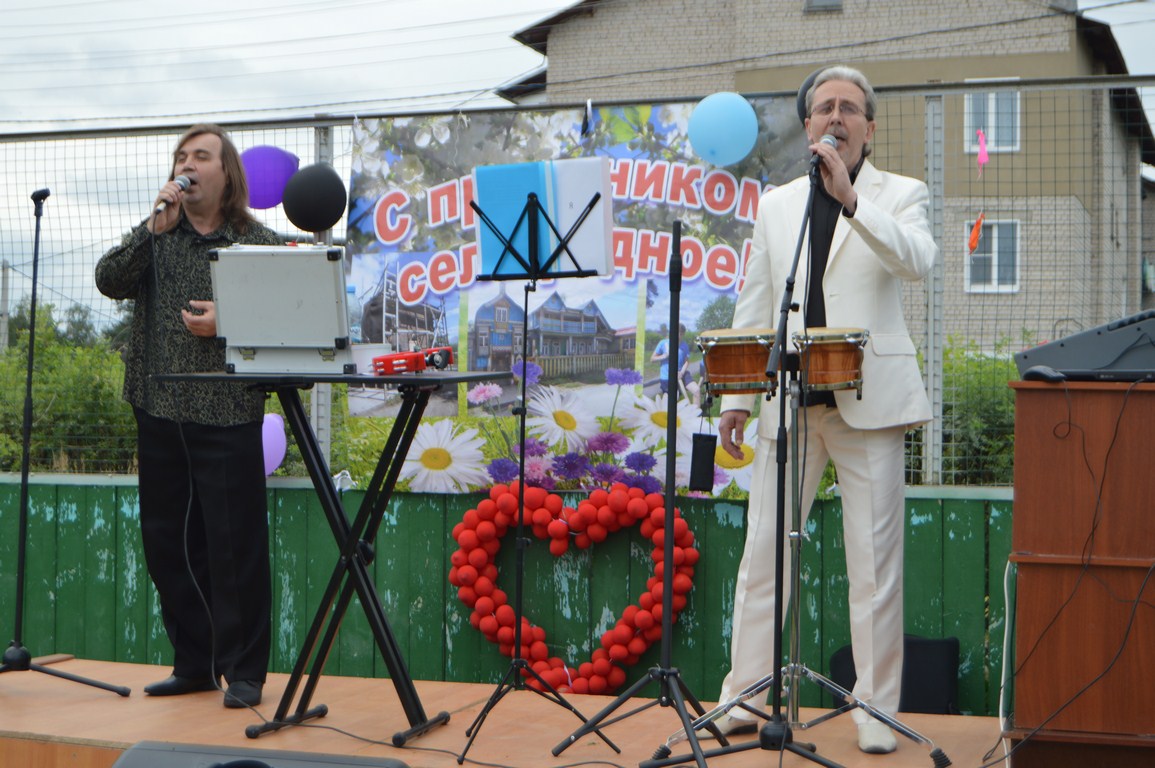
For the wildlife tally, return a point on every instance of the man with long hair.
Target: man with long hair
(203, 511)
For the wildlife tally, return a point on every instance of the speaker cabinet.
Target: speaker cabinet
(158, 754)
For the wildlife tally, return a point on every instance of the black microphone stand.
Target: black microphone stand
(534, 268)
(17, 658)
(776, 734)
(672, 691)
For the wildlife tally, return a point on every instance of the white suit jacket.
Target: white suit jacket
(886, 242)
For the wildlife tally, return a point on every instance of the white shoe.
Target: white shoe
(730, 725)
(876, 738)
(727, 724)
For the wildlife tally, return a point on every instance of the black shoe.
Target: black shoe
(178, 686)
(243, 693)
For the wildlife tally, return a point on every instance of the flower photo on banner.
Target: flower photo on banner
(558, 418)
(444, 459)
(607, 436)
(592, 390)
(649, 419)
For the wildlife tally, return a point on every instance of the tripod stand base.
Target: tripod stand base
(18, 659)
(777, 733)
(674, 693)
(512, 681)
(778, 736)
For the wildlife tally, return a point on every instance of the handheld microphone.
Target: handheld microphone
(183, 182)
(830, 140)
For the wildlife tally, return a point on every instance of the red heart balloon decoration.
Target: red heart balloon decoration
(474, 573)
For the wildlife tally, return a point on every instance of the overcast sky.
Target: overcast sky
(85, 62)
(105, 63)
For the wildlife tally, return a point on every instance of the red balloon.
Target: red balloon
(466, 575)
(639, 625)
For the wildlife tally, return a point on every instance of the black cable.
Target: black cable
(1099, 484)
(150, 345)
(438, 751)
(1061, 431)
(1110, 665)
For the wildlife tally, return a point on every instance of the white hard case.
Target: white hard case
(281, 309)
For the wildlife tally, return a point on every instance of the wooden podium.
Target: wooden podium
(1083, 539)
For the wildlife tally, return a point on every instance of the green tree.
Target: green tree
(718, 314)
(978, 415)
(79, 421)
(78, 328)
(18, 321)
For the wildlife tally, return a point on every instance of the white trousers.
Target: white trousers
(870, 465)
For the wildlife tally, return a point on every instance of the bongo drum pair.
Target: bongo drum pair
(736, 359)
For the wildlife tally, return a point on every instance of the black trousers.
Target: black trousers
(205, 530)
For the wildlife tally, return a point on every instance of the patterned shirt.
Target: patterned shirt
(159, 341)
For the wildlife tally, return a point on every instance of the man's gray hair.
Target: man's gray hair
(850, 75)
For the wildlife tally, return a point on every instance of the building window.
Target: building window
(994, 265)
(501, 314)
(997, 114)
(821, 5)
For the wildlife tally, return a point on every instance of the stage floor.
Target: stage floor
(51, 723)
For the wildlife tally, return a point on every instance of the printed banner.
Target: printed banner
(595, 369)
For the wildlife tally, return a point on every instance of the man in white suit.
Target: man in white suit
(868, 234)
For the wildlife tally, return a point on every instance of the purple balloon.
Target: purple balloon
(273, 438)
(268, 170)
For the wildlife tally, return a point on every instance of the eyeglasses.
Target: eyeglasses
(847, 108)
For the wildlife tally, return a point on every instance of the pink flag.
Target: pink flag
(984, 158)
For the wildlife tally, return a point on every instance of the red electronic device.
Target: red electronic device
(398, 362)
(410, 362)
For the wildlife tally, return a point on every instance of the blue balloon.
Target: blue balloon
(723, 128)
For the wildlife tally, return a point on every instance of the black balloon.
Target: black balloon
(315, 198)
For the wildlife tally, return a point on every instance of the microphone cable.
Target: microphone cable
(165, 363)
(1061, 431)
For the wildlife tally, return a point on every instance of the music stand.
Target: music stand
(673, 690)
(533, 269)
(777, 734)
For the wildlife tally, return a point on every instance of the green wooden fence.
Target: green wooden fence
(87, 592)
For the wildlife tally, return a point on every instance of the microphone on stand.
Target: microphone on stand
(183, 182)
(827, 138)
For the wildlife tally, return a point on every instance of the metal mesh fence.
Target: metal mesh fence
(1040, 238)
(1040, 224)
(101, 186)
